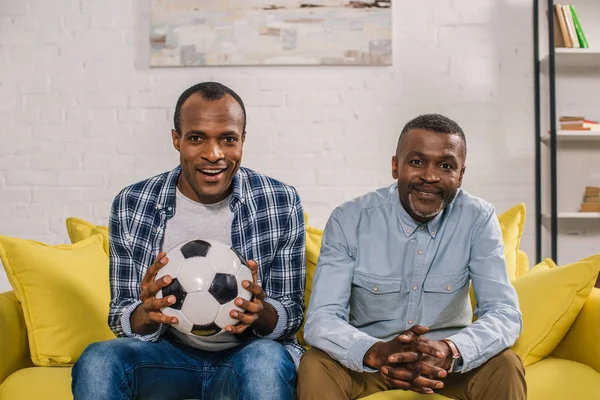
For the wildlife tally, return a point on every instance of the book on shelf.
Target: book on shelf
(591, 199)
(577, 123)
(583, 43)
(568, 31)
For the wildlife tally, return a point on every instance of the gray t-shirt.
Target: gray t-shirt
(193, 220)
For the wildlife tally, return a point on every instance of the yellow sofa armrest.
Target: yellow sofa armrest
(582, 342)
(14, 345)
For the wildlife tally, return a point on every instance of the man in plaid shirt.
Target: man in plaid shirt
(207, 196)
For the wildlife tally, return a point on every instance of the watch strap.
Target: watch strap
(455, 355)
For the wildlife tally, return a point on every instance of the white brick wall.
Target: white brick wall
(82, 114)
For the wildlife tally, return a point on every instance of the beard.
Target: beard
(444, 199)
(423, 214)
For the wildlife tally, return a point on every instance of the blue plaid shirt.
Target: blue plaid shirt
(267, 227)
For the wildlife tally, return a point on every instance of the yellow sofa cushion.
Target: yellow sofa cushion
(404, 395)
(550, 298)
(64, 307)
(314, 238)
(549, 379)
(80, 229)
(38, 383)
(556, 379)
(512, 222)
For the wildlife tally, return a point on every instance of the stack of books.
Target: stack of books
(591, 199)
(567, 28)
(576, 123)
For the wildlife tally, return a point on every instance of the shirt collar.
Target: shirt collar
(167, 195)
(239, 186)
(409, 225)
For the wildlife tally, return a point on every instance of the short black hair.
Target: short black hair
(434, 123)
(210, 91)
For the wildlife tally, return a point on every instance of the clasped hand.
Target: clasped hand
(410, 361)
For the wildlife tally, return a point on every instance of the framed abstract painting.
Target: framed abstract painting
(190, 33)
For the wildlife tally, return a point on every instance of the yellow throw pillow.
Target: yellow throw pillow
(544, 265)
(64, 292)
(550, 299)
(512, 222)
(522, 263)
(80, 229)
(314, 238)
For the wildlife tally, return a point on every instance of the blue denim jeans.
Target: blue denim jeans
(127, 368)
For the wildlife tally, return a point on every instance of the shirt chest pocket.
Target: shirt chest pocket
(446, 300)
(374, 299)
(445, 283)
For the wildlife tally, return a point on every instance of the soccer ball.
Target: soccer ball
(206, 279)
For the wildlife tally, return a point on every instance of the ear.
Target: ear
(243, 137)
(394, 167)
(460, 177)
(176, 139)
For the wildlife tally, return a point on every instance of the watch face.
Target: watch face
(457, 363)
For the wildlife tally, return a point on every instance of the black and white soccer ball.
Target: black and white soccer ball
(206, 279)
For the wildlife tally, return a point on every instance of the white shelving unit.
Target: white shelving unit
(567, 83)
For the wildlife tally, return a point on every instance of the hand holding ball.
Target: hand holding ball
(206, 279)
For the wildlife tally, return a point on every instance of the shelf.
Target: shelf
(573, 136)
(573, 58)
(574, 221)
(576, 215)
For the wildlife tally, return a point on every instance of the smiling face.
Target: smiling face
(210, 147)
(429, 167)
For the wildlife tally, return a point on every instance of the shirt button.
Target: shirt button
(414, 288)
(422, 227)
(159, 229)
(408, 231)
(410, 321)
(170, 208)
(375, 289)
(448, 287)
(419, 252)
(433, 232)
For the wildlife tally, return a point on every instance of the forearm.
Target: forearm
(373, 357)
(339, 339)
(494, 332)
(281, 319)
(139, 324)
(267, 320)
(125, 321)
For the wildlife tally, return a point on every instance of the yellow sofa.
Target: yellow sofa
(571, 371)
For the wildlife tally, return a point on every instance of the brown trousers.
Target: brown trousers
(321, 377)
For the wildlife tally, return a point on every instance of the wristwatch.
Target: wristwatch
(456, 362)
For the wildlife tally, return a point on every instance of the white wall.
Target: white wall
(82, 115)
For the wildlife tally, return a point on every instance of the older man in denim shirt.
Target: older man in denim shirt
(390, 305)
